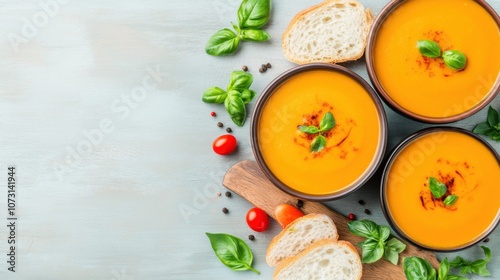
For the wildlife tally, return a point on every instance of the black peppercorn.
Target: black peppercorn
(261, 70)
(300, 203)
(225, 210)
(251, 237)
(219, 124)
(367, 211)
(361, 202)
(268, 65)
(229, 130)
(245, 68)
(486, 240)
(228, 194)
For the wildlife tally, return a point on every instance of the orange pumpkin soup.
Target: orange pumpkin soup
(352, 145)
(425, 86)
(469, 170)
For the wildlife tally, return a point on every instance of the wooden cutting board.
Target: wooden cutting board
(247, 180)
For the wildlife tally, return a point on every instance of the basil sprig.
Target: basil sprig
(376, 244)
(476, 267)
(252, 16)
(232, 251)
(234, 99)
(416, 268)
(439, 189)
(319, 142)
(491, 127)
(453, 59)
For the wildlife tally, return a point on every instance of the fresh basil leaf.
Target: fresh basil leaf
(487, 253)
(254, 35)
(416, 268)
(438, 189)
(444, 269)
(372, 251)
(429, 48)
(479, 267)
(254, 13)
(384, 232)
(364, 228)
(493, 118)
(327, 123)
(391, 255)
(318, 143)
(396, 245)
(308, 129)
(247, 95)
(482, 128)
(454, 59)
(232, 251)
(240, 80)
(236, 107)
(223, 42)
(450, 200)
(458, 262)
(214, 95)
(236, 27)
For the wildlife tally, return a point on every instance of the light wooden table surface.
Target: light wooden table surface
(101, 114)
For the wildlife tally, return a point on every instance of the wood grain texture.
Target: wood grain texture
(246, 179)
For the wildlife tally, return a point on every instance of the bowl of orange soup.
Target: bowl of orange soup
(425, 88)
(318, 131)
(440, 189)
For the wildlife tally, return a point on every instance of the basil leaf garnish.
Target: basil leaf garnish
(240, 80)
(454, 59)
(247, 95)
(214, 95)
(327, 123)
(477, 267)
(235, 107)
(429, 48)
(318, 143)
(482, 128)
(450, 200)
(308, 129)
(384, 232)
(364, 228)
(254, 13)
(223, 42)
(438, 189)
(416, 268)
(493, 118)
(254, 35)
(491, 127)
(372, 251)
(232, 251)
(392, 249)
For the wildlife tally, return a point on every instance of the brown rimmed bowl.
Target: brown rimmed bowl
(375, 161)
(379, 21)
(411, 211)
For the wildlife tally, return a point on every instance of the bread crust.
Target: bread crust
(369, 21)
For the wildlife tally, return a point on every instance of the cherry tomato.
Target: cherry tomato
(224, 144)
(286, 213)
(257, 219)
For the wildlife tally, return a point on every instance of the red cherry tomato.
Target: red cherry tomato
(286, 213)
(224, 144)
(257, 219)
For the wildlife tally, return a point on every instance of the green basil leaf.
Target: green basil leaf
(429, 48)
(214, 95)
(450, 200)
(236, 107)
(247, 95)
(372, 251)
(232, 251)
(487, 253)
(327, 123)
(454, 59)
(308, 129)
(482, 128)
(318, 143)
(416, 268)
(438, 189)
(493, 118)
(236, 27)
(254, 35)
(254, 13)
(391, 255)
(384, 232)
(364, 228)
(458, 262)
(479, 267)
(223, 42)
(396, 245)
(240, 80)
(444, 268)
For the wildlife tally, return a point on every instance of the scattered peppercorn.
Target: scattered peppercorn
(351, 216)
(367, 211)
(219, 124)
(261, 70)
(213, 114)
(361, 202)
(300, 203)
(268, 65)
(486, 240)
(229, 130)
(228, 194)
(264, 67)
(218, 194)
(251, 237)
(245, 68)
(225, 210)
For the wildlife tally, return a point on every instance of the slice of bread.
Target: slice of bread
(298, 235)
(333, 31)
(325, 259)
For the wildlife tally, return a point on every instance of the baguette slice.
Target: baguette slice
(298, 235)
(326, 259)
(333, 31)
